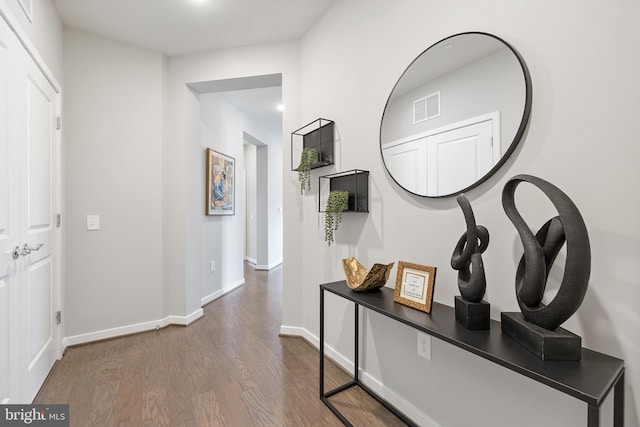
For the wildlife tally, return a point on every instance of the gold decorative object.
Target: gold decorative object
(359, 279)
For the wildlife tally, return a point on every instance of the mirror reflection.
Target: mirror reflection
(455, 115)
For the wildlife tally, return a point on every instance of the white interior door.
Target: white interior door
(8, 217)
(31, 278)
(38, 131)
(407, 162)
(443, 160)
(459, 157)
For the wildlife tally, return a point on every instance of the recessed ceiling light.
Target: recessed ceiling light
(280, 107)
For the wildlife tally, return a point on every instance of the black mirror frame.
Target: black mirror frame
(516, 139)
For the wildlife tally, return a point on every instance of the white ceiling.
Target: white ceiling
(259, 105)
(256, 96)
(184, 27)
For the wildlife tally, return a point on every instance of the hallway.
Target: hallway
(229, 368)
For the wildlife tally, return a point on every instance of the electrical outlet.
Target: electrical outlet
(213, 266)
(424, 345)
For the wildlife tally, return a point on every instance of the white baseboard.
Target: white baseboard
(373, 383)
(185, 320)
(131, 329)
(268, 267)
(217, 294)
(257, 266)
(295, 331)
(329, 351)
(398, 401)
(147, 326)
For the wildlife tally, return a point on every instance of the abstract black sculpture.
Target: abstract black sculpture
(471, 311)
(537, 328)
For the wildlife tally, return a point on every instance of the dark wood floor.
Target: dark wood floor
(229, 368)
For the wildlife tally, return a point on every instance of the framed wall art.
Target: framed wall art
(414, 285)
(220, 187)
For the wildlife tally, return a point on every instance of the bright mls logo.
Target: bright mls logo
(34, 415)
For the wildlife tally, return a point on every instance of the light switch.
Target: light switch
(93, 222)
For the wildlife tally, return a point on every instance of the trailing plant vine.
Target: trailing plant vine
(336, 204)
(307, 158)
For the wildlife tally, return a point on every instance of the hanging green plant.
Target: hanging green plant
(337, 202)
(307, 158)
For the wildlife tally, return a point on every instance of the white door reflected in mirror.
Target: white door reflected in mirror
(442, 161)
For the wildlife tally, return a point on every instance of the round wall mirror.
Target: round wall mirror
(455, 115)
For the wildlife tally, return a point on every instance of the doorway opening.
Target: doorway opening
(256, 156)
(238, 118)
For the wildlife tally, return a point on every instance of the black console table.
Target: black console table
(589, 379)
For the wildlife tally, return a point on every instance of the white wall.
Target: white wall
(581, 138)
(273, 197)
(251, 241)
(263, 215)
(113, 119)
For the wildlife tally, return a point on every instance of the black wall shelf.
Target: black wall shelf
(589, 379)
(318, 134)
(355, 181)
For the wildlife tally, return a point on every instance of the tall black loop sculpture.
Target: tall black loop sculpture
(540, 251)
(471, 311)
(468, 253)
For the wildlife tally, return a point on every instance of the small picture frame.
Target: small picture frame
(220, 197)
(414, 285)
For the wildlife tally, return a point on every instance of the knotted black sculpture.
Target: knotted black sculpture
(537, 328)
(471, 311)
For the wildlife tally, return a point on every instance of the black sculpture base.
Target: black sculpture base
(558, 344)
(472, 315)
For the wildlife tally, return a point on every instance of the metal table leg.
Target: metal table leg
(618, 402)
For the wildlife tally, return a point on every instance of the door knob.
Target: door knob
(25, 250)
